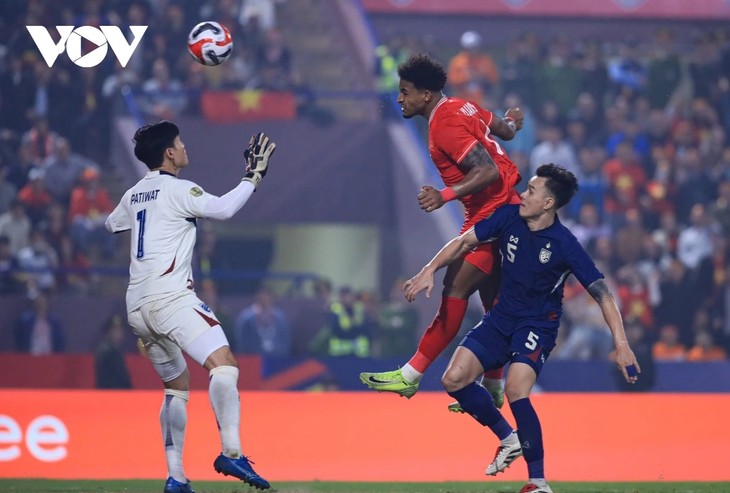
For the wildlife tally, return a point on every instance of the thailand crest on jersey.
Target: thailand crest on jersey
(545, 255)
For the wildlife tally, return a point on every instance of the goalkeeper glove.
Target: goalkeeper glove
(259, 151)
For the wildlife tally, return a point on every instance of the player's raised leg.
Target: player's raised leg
(460, 281)
(492, 379)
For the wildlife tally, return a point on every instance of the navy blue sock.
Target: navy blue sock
(477, 401)
(530, 433)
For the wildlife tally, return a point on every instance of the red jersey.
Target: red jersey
(454, 128)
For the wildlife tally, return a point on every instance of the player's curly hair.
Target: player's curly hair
(562, 183)
(423, 72)
(151, 141)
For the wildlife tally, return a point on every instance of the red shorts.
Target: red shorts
(482, 257)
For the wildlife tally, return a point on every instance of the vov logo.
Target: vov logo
(103, 37)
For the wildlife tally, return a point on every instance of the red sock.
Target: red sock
(440, 333)
(494, 374)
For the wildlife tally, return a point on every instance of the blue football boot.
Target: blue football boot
(174, 486)
(240, 468)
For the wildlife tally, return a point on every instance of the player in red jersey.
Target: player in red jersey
(476, 171)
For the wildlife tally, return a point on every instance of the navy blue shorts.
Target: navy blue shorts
(498, 340)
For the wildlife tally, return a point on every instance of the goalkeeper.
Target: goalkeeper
(160, 211)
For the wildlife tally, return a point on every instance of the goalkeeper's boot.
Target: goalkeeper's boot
(240, 468)
(505, 455)
(390, 381)
(533, 488)
(174, 486)
(497, 397)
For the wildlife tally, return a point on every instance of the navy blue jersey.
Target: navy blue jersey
(535, 265)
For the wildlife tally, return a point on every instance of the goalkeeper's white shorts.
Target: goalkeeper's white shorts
(179, 322)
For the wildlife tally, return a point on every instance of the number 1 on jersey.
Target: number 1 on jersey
(141, 217)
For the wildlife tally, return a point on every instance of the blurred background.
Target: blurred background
(632, 96)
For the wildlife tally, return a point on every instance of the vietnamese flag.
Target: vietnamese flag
(248, 105)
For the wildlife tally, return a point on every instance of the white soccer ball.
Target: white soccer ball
(210, 43)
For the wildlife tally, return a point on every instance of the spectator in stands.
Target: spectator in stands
(37, 331)
(472, 73)
(679, 301)
(695, 242)
(553, 148)
(21, 165)
(346, 331)
(627, 72)
(9, 282)
(720, 210)
(630, 131)
(398, 324)
(55, 225)
(705, 65)
(594, 84)
(35, 196)
(589, 337)
(110, 367)
(39, 139)
(8, 191)
(694, 184)
(89, 207)
(664, 70)
(38, 263)
(626, 182)
(518, 68)
(15, 225)
(705, 349)
(263, 10)
(63, 169)
(17, 91)
(263, 328)
(558, 76)
(589, 225)
(274, 63)
(593, 184)
(162, 96)
(668, 347)
(74, 266)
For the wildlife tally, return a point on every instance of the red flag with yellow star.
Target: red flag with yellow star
(247, 105)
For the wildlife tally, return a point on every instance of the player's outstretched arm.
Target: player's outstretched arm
(453, 250)
(625, 358)
(506, 128)
(257, 155)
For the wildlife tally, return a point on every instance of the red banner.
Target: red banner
(673, 9)
(349, 436)
(246, 106)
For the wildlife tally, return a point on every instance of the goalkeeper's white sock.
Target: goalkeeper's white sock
(173, 420)
(223, 391)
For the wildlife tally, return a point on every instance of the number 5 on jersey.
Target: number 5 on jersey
(512, 248)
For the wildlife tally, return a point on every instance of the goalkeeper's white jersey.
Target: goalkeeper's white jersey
(160, 211)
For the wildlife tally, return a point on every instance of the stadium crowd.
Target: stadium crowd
(642, 122)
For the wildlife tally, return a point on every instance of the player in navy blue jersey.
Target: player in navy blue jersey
(538, 254)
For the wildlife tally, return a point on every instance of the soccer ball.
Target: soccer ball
(210, 43)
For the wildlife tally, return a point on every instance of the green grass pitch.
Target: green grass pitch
(139, 486)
